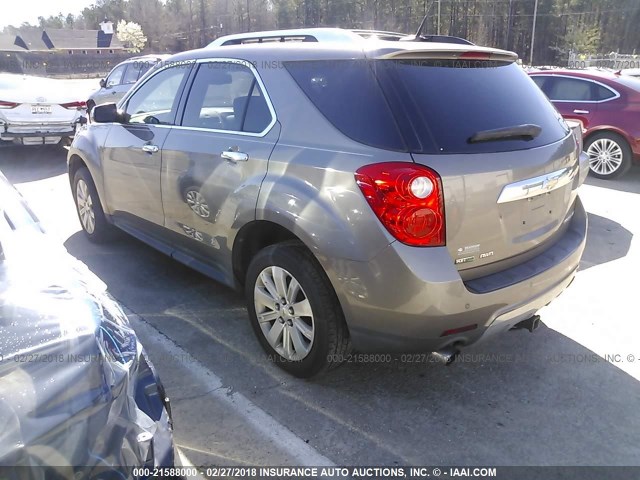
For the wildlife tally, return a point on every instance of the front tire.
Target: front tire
(609, 155)
(294, 310)
(90, 213)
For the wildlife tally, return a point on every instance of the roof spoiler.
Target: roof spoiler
(461, 55)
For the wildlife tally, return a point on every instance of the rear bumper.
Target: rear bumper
(32, 132)
(406, 298)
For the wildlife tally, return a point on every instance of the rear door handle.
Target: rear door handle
(235, 157)
(584, 112)
(150, 148)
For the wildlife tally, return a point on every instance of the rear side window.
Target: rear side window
(131, 75)
(438, 105)
(116, 76)
(348, 95)
(603, 93)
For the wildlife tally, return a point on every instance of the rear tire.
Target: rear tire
(288, 290)
(609, 155)
(90, 213)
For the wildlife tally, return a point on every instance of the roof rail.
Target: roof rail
(293, 35)
(328, 35)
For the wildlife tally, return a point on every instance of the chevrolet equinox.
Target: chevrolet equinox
(380, 196)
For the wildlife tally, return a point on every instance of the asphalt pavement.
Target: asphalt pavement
(568, 394)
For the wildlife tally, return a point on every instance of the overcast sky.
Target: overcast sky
(14, 12)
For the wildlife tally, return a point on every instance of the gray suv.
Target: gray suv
(121, 78)
(369, 196)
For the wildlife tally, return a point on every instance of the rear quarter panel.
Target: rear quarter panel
(621, 116)
(310, 186)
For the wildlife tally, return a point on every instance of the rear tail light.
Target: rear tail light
(74, 105)
(4, 104)
(407, 198)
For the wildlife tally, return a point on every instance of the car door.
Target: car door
(575, 98)
(214, 162)
(132, 151)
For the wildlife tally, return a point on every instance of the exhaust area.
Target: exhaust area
(447, 355)
(531, 324)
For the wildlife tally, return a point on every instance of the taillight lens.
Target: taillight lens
(4, 104)
(407, 198)
(74, 105)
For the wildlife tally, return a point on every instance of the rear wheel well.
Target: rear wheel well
(252, 238)
(605, 131)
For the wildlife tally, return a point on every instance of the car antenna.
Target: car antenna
(422, 23)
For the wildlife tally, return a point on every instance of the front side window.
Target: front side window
(115, 77)
(156, 101)
(226, 96)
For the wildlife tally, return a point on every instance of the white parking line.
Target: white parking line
(300, 452)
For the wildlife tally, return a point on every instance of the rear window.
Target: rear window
(438, 105)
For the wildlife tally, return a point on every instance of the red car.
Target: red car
(608, 107)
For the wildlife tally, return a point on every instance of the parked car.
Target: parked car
(371, 195)
(37, 111)
(608, 107)
(121, 78)
(78, 396)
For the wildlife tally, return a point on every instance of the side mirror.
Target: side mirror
(103, 82)
(106, 113)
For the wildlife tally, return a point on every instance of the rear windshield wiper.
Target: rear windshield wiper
(527, 132)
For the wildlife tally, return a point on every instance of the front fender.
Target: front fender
(86, 146)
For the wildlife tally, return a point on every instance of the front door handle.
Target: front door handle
(235, 157)
(150, 148)
(583, 112)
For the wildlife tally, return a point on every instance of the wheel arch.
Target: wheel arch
(607, 129)
(74, 163)
(253, 237)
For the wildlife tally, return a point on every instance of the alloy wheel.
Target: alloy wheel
(85, 207)
(605, 156)
(284, 313)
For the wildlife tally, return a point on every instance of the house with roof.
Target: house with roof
(58, 40)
